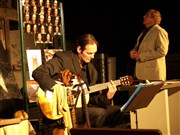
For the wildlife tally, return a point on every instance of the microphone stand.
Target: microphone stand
(84, 105)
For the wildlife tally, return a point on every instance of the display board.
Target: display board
(43, 29)
(42, 22)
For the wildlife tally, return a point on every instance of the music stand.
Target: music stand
(141, 97)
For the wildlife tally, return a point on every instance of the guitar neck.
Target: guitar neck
(102, 86)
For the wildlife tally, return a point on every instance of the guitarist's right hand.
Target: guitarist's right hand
(67, 77)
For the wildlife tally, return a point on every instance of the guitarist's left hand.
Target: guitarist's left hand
(111, 90)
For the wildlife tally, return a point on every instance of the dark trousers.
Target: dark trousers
(101, 117)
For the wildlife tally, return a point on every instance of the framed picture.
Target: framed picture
(34, 59)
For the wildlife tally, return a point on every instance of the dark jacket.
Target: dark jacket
(47, 73)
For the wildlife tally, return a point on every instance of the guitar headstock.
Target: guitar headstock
(68, 78)
(126, 80)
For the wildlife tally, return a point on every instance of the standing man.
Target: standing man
(151, 48)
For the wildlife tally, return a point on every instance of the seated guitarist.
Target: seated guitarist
(101, 112)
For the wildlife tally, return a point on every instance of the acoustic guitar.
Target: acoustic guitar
(45, 98)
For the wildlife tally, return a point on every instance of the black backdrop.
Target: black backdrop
(116, 24)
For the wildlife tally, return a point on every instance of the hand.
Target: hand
(112, 90)
(137, 58)
(135, 55)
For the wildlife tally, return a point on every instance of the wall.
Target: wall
(12, 42)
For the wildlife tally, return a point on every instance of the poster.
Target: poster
(34, 59)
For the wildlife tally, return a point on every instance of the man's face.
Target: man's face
(41, 19)
(50, 29)
(88, 54)
(34, 18)
(49, 19)
(148, 20)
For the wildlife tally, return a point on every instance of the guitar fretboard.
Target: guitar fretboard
(102, 86)
(126, 80)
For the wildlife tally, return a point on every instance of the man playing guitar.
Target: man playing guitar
(101, 112)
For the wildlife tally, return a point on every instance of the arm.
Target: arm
(99, 99)
(45, 73)
(104, 99)
(161, 44)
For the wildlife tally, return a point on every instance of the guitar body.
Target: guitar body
(45, 100)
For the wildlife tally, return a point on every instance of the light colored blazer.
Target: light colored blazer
(153, 49)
